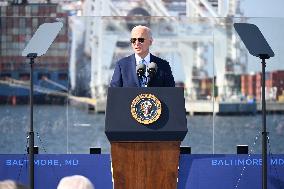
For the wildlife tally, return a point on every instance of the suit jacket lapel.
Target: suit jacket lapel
(133, 64)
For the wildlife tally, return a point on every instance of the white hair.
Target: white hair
(10, 184)
(75, 181)
(144, 28)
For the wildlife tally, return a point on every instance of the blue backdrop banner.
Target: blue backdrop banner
(195, 171)
(50, 168)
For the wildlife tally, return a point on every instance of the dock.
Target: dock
(234, 108)
(272, 107)
(194, 107)
(208, 107)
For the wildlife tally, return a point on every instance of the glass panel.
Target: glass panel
(239, 87)
(186, 43)
(50, 87)
(207, 59)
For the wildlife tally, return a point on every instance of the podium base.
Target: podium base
(141, 165)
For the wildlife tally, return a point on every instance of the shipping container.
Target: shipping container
(18, 24)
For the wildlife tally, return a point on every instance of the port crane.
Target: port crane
(185, 33)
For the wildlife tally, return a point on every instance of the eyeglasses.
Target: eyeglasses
(140, 40)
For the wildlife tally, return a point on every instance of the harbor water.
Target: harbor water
(64, 129)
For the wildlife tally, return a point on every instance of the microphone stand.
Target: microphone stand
(141, 75)
(144, 78)
(151, 74)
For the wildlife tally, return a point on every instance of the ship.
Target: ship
(18, 23)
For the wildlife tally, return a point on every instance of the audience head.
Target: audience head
(10, 184)
(75, 181)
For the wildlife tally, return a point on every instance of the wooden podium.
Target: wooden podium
(145, 164)
(145, 156)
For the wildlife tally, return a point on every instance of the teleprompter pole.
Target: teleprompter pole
(264, 132)
(31, 56)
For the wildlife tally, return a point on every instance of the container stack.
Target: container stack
(19, 23)
(248, 85)
(274, 85)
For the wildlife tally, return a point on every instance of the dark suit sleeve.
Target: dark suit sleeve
(169, 78)
(116, 80)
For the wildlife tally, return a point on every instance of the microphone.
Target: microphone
(140, 69)
(152, 69)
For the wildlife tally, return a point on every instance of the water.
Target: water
(67, 129)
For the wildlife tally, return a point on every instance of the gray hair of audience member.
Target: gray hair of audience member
(10, 184)
(75, 181)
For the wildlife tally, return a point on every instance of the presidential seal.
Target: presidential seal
(146, 108)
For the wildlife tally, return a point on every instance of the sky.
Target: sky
(269, 17)
(263, 8)
(270, 20)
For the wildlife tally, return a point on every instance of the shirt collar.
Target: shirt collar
(138, 58)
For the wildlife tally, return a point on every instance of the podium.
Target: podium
(145, 127)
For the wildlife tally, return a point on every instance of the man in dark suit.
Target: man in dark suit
(125, 70)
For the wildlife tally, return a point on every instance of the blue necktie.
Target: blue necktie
(143, 80)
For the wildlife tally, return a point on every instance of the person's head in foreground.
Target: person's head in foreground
(10, 184)
(75, 182)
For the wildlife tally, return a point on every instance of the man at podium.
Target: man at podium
(142, 69)
(146, 120)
